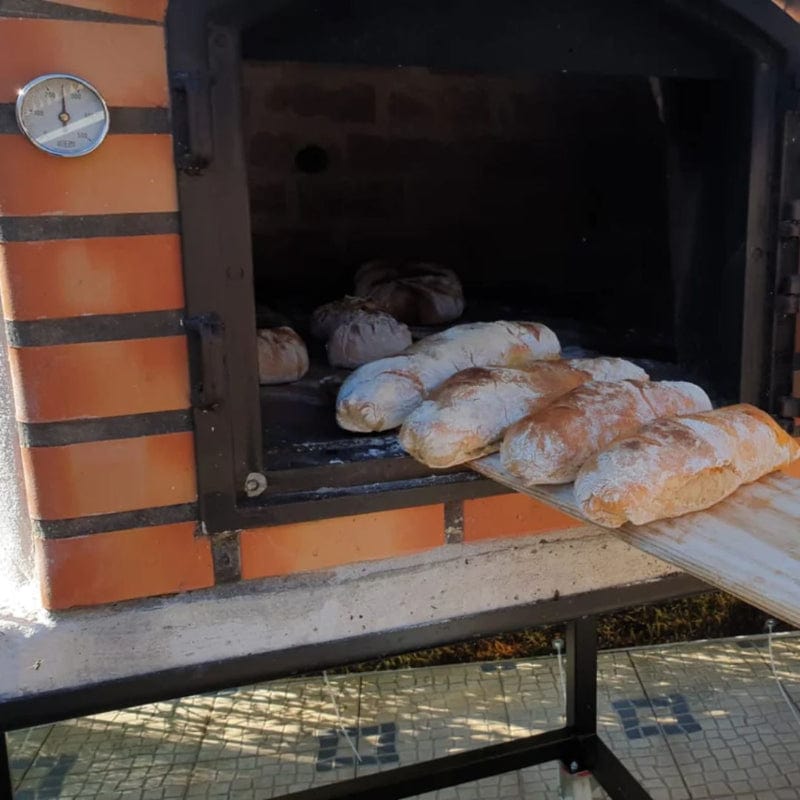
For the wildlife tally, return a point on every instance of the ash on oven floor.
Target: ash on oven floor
(696, 720)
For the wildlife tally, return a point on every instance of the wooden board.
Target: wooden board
(748, 545)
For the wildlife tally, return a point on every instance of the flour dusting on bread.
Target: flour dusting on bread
(675, 466)
(551, 445)
(467, 415)
(380, 395)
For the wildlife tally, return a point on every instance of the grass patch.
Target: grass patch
(713, 615)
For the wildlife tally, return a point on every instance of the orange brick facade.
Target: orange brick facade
(72, 278)
(88, 497)
(80, 278)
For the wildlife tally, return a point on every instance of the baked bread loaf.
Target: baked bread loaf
(466, 416)
(326, 319)
(551, 445)
(674, 466)
(381, 394)
(282, 356)
(416, 293)
(367, 336)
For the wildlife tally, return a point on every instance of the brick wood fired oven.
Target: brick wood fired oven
(247, 168)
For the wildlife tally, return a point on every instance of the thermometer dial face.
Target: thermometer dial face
(62, 115)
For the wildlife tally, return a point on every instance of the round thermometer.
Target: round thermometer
(62, 115)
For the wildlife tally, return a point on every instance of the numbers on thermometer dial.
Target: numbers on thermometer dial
(62, 115)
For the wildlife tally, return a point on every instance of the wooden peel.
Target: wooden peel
(748, 545)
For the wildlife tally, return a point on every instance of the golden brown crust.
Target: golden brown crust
(675, 466)
(466, 416)
(551, 445)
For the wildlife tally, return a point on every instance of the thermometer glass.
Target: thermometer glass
(62, 115)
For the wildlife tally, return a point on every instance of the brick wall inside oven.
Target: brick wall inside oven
(477, 171)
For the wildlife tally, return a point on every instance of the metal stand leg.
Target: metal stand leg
(591, 757)
(6, 790)
(582, 676)
(575, 781)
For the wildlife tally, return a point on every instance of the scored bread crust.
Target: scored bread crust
(466, 416)
(282, 355)
(380, 395)
(366, 336)
(675, 466)
(551, 445)
(327, 318)
(417, 293)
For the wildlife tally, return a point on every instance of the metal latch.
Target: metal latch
(208, 329)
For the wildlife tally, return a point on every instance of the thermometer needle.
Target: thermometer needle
(63, 116)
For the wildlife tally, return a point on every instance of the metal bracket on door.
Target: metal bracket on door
(208, 330)
(191, 109)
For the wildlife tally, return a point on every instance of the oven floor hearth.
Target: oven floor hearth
(692, 720)
(299, 419)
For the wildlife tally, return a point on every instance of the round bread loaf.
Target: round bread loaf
(416, 293)
(326, 319)
(282, 356)
(367, 336)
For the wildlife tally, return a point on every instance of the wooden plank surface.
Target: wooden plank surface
(748, 545)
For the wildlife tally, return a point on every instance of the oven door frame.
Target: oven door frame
(235, 488)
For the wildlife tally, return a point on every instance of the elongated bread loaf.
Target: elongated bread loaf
(674, 466)
(551, 445)
(466, 416)
(381, 394)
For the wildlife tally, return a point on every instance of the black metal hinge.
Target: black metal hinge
(207, 330)
(787, 306)
(787, 299)
(191, 112)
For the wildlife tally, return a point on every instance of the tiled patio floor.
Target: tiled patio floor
(699, 720)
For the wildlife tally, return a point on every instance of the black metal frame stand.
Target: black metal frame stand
(577, 746)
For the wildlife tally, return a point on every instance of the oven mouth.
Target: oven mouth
(627, 180)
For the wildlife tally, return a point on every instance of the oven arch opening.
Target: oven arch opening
(695, 55)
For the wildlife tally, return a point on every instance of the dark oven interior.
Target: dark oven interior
(608, 168)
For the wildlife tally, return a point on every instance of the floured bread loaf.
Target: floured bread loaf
(551, 445)
(282, 356)
(366, 336)
(674, 466)
(416, 293)
(466, 416)
(326, 319)
(380, 395)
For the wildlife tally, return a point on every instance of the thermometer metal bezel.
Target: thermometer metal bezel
(54, 151)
